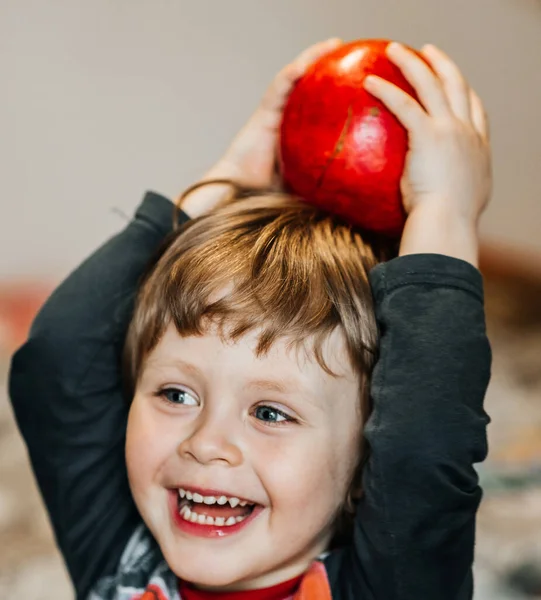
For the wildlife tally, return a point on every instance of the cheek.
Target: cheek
(307, 475)
(148, 446)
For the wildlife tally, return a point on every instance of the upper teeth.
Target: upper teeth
(197, 498)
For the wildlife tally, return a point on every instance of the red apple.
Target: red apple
(341, 148)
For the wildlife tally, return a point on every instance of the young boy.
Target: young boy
(249, 353)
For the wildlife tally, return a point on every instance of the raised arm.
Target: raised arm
(415, 529)
(66, 390)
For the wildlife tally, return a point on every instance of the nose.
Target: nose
(212, 441)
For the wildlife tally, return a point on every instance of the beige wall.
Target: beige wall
(102, 99)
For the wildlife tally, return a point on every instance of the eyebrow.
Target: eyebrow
(268, 385)
(179, 364)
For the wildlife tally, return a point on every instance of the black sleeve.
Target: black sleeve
(66, 390)
(415, 527)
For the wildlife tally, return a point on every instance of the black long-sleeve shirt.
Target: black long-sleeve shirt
(415, 527)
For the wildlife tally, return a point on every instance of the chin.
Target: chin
(204, 574)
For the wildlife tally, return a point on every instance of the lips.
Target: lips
(211, 513)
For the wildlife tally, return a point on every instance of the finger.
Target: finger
(422, 78)
(276, 94)
(479, 116)
(406, 109)
(279, 89)
(313, 53)
(454, 83)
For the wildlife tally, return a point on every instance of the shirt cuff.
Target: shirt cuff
(429, 269)
(159, 211)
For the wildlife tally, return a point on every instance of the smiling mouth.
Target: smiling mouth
(213, 511)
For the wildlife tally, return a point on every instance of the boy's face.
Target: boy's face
(211, 418)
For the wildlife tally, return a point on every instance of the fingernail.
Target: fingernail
(394, 46)
(370, 80)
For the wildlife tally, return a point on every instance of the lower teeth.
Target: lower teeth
(188, 515)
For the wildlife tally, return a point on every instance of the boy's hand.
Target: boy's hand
(447, 179)
(252, 154)
(251, 159)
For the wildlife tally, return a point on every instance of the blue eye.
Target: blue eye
(176, 396)
(271, 415)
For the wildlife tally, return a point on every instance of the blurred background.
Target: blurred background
(102, 100)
